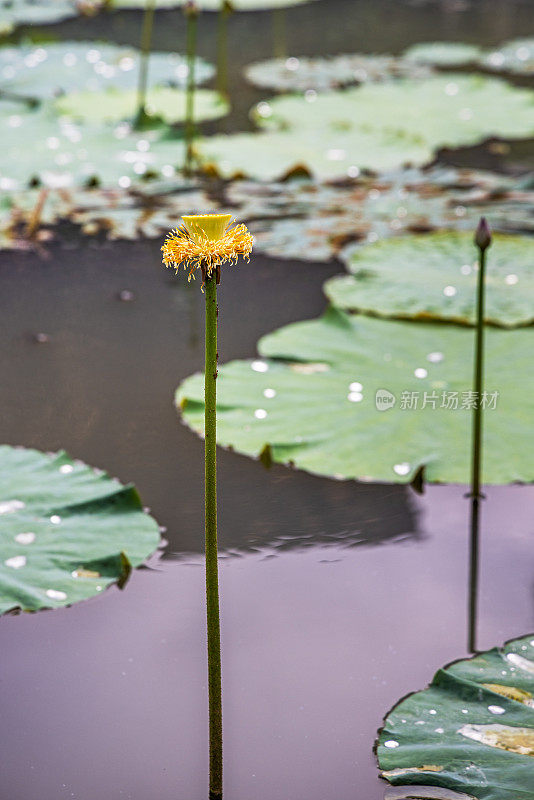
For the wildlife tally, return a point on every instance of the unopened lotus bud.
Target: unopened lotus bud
(191, 8)
(483, 234)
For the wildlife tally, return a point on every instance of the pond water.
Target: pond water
(337, 598)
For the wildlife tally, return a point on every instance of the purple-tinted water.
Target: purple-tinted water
(337, 598)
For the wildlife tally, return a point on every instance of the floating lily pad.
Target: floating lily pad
(41, 12)
(326, 154)
(471, 731)
(211, 5)
(441, 111)
(375, 126)
(443, 54)
(34, 12)
(302, 219)
(516, 56)
(49, 70)
(325, 74)
(67, 531)
(144, 211)
(310, 400)
(165, 104)
(434, 276)
(59, 153)
(313, 221)
(131, 217)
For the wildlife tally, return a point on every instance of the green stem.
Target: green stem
(478, 378)
(279, 33)
(222, 48)
(146, 39)
(191, 44)
(212, 578)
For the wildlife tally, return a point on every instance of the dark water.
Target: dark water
(337, 598)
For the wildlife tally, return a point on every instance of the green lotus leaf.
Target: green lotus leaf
(162, 103)
(328, 155)
(446, 110)
(312, 400)
(131, 218)
(304, 219)
(67, 531)
(443, 54)
(376, 126)
(516, 56)
(471, 731)
(434, 276)
(325, 74)
(34, 12)
(441, 111)
(60, 153)
(114, 213)
(313, 221)
(48, 70)
(210, 5)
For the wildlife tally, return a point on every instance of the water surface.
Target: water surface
(337, 598)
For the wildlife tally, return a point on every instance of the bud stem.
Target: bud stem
(279, 33)
(146, 39)
(212, 577)
(482, 241)
(222, 48)
(478, 378)
(191, 46)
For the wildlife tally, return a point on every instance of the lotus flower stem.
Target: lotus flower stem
(279, 33)
(191, 14)
(206, 242)
(212, 577)
(222, 47)
(146, 40)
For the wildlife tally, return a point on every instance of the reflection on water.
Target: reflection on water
(474, 570)
(108, 699)
(320, 636)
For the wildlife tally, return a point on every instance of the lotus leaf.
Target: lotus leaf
(443, 54)
(435, 276)
(162, 103)
(327, 154)
(50, 70)
(58, 152)
(374, 126)
(114, 213)
(301, 219)
(441, 111)
(313, 221)
(325, 74)
(211, 5)
(311, 400)
(516, 56)
(33, 12)
(68, 531)
(471, 731)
